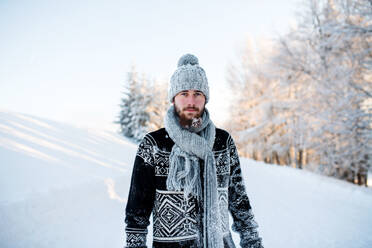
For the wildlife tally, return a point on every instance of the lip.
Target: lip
(191, 110)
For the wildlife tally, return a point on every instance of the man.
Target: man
(188, 175)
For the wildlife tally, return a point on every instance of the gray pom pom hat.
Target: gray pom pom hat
(188, 76)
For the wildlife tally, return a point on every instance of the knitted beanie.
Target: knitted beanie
(188, 76)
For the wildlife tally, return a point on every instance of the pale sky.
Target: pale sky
(67, 60)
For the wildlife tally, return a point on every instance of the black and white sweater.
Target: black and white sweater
(176, 222)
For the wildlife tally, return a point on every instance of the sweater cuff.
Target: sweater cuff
(136, 238)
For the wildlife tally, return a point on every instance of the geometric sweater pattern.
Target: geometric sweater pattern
(177, 223)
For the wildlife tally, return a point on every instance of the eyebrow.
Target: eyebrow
(188, 91)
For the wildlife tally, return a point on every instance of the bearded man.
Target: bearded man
(188, 176)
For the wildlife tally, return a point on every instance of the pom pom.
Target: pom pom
(188, 59)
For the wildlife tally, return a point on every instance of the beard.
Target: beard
(186, 120)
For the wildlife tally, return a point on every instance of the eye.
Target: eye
(183, 93)
(197, 94)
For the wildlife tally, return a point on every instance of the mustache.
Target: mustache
(191, 108)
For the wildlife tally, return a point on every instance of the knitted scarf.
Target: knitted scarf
(184, 170)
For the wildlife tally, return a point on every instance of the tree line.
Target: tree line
(305, 99)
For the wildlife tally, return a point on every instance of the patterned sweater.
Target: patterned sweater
(176, 222)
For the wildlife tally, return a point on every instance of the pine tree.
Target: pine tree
(133, 117)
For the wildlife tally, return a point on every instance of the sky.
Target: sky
(67, 60)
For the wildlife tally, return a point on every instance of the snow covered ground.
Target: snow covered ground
(62, 186)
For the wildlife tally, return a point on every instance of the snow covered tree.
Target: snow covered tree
(134, 117)
(310, 97)
(328, 55)
(143, 105)
(265, 119)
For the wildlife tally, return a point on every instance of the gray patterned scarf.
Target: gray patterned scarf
(184, 170)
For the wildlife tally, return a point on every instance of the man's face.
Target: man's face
(189, 104)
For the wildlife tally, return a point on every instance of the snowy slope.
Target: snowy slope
(63, 186)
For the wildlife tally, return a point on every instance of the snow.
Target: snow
(63, 186)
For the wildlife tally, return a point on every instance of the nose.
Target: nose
(190, 100)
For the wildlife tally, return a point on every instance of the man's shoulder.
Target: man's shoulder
(222, 133)
(223, 139)
(159, 137)
(161, 132)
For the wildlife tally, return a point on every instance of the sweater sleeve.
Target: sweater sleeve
(239, 205)
(141, 195)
